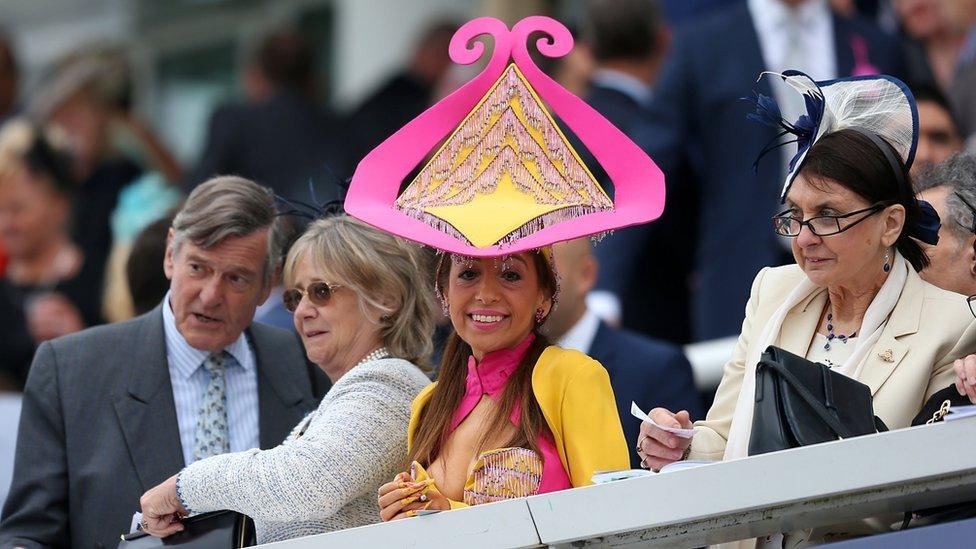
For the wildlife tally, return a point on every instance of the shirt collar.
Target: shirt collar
(580, 337)
(489, 376)
(624, 83)
(771, 16)
(193, 358)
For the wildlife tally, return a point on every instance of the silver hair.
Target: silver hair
(958, 174)
(227, 206)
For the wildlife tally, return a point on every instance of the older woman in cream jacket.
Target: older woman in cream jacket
(853, 301)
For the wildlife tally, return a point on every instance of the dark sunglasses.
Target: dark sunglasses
(318, 293)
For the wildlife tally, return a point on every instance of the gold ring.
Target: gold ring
(640, 443)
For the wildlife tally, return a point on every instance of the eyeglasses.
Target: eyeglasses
(972, 307)
(823, 225)
(318, 293)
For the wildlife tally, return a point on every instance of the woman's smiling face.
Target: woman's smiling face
(493, 301)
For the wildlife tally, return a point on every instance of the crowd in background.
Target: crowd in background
(88, 192)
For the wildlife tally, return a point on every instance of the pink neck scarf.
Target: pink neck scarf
(489, 377)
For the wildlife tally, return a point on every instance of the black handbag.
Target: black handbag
(799, 402)
(216, 530)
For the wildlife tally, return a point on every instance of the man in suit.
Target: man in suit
(698, 118)
(112, 411)
(628, 39)
(642, 370)
(278, 135)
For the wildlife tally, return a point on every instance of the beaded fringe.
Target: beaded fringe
(531, 227)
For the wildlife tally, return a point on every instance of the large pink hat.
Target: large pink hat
(501, 177)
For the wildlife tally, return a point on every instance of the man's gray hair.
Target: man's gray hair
(958, 175)
(226, 206)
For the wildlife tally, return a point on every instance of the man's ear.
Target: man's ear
(589, 271)
(970, 255)
(168, 266)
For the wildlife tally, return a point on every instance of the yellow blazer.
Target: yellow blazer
(928, 329)
(575, 396)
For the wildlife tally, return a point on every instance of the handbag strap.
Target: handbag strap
(835, 425)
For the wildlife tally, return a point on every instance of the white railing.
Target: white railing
(883, 474)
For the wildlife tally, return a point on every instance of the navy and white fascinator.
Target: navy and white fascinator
(878, 106)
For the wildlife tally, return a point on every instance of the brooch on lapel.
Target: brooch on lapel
(886, 355)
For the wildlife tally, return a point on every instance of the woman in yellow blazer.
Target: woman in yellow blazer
(511, 415)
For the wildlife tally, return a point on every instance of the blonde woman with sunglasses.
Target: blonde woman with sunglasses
(363, 309)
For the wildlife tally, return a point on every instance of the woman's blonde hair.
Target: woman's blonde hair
(388, 274)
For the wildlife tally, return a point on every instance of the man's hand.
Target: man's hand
(52, 315)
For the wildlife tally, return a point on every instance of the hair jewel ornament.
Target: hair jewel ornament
(498, 176)
(881, 107)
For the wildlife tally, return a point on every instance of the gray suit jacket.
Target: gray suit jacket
(98, 428)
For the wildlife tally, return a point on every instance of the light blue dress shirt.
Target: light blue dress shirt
(190, 380)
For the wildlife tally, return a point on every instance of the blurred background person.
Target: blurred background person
(125, 174)
(72, 101)
(938, 133)
(961, 15)
(698, 119)
(50, 287)
(277, 136)
(407, 93)
(9, 88)
(642, 370)
(628, 40)
(951, 189)
(145, 278)
(9, 79)
(931, 43)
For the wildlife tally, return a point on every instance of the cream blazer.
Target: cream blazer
(928, 329)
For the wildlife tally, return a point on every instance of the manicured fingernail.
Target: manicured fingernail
(411, 513)
(409, 500)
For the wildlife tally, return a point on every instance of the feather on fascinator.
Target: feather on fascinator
(501, 177)
(881, 106)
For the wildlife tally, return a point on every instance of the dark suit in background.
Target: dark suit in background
(649, 372)
(282, 142)
(398, 101)
(654, 291)
(98, 428)
(698, 118)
